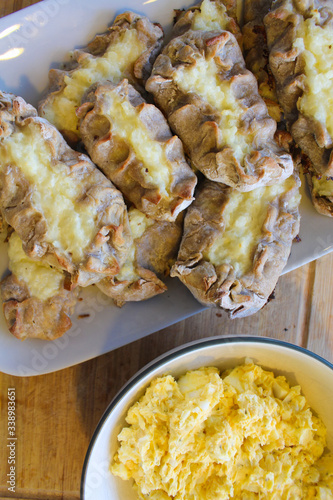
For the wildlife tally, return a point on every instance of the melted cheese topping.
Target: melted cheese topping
(202, 79)
(316, 45)
(70, 225)
(42, 280)
(323, 186)
(211, 16)
(245, 434)
(126, 123)
(139, 222)
(244, 216)
(117, 60)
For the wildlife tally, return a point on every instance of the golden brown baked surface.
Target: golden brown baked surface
(131, 142)
(155, 246)
(209, 15)
(322, 199)
(81, 227)
(299, 35)
(62, 207)
(299, 39)
(36, 301)
(212, 103)
(30, 317)
(235, 244)
(126, 50)
(256, 53)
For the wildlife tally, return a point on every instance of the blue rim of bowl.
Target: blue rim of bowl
(190, 346)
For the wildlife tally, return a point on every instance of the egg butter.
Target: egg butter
(245, 434)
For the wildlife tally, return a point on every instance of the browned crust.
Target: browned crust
(30, 317)
(315, 142)
(150, 34)
(108, 249)
(218, 285)
(3, 225)
(323, 204)
(118, 160)
(255, 10)
(288, 66)
(196, 122)
(231, 6)
(145, 287)
(155, 251)
(185, 19)
(256, 53)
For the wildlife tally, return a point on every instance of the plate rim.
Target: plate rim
(175, 352)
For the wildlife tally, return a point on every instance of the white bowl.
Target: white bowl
(298, 365)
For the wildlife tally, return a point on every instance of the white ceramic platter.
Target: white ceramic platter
(299, 366)
(31, 42)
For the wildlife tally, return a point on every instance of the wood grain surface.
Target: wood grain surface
(56, 414)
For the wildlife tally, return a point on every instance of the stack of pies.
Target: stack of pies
(146, 159)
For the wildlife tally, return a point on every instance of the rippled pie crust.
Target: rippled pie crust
(36, 301)
(56, 199)
(256, 53)
(208, 15)
(126, 50)
(288, 66)
(30, 317)
(196, 121)
(132, 144)
(149, 262)
(322, 202)
(235, 245)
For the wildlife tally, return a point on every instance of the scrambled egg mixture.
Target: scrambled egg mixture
(244, 435)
